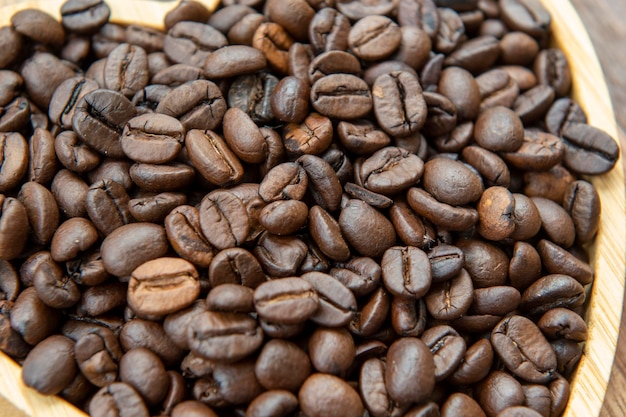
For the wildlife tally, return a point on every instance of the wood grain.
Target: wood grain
(605, 309)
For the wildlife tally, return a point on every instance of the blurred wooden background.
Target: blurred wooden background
(606, 24)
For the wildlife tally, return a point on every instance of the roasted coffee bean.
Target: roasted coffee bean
(475, 365)
(408, 316)
(191, 43)
(107, 206)
(99, 119)
(157, 178)
(447, 348)
(399, 104)
(582, 203)
(391, 170)
(74, 154)
(50, 366)
(221, 336)
(461, 404)
(231, 298)
(163, 285)
(422, 14)
(408, 225)
(360, 275)
(98, 354)
(475, 55)
(370, 238)
(116, 397)
(562, 113)
(497, 392)
(323, 182)
(337, 304)
(550, 291)
(533, 104)
(41, 209)
(252, 94)
(444, 215)
(458, 85)
(341, 96)
(451, 182)
(328, 30)
(372, 314)
(224, 219)
(450, 299)
(373, 199)
(406, 271)
(558, 260)
(290, 100)
(233, 60)
(551, 68)
(144, 371)
(588, 150)
(445, 262)
(270, 367)
(54, 287)
(451, 31)
(555, 221)
(324, 395)
(497, 88)
(273, 299)
(524, 349)
(236, 266)
(14, 160)
(274, 42)
(373, 38)
(138, 333)
(38, 26)
(229, 385)
(486, 263)
(131, 245)
(212, 158)
(410, 376)
(84, 16)
(362, 136)
(273, 403)
(152, 138)
(192, 407)
(496, 209)
(9, 281)
(528, 16)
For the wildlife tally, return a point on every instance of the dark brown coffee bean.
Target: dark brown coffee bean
(563, 323)
(224, 219)
(562, 113)
(287, 300)
(372, 314)
(152, 138)
(126, 69)
(11, 42)
(475, 364)
(74, 154)
(525, 265)
(399, 104)
(154, 208)
(588, 150)
(144, 371)
(328, 30)
(242, 32)
(411, 378)
(243, 136)
(43, 73)
(232, 298)
(275, 403)
(285, 181)
(459, 403)
(528, 16)
(225, 337)
(497, 88)
(295, 16)
(50, 366)
(280, 256)
(151, 335)
(84, 16)
(118, 396)
(290, 100)
(341, 96)
(212, 158)
(557, 260)
(408, 316)
(374, 38)
(496, 209)
(98, 354)
(443, 178)
(533, 104)
(192, 408)
(157, 178)
(582, 203)
(163, 285)
(270, 369)
(323, 184)
(495, 301)
(9, 281)
(14, 160)
(42, 161)
(324, 395)
(447, 348)
(99, 119)
(373, 389)
(198, 105)
(441, 214)
(539, 151)
(451, 31)
(233, 60)
(475, 55)
(391, 170)
(549, 184)
(236, 266)
(107, 204)
(39, 26)
(408, 225)
(406, 271)
(274, 41)
(41, 209)
(33, 319)
(458, 85)
(373, 199)
(372, 238)
(555, 221)
(360, 275)
(517, 336)
(450, 299)
(337, 304)
(54, 287)
(191, 43)
(551, 68)
(131, 245)
(445, 262)
(176, 75)
(551, 291)
(497, 392)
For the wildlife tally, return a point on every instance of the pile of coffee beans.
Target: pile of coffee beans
(296, 208)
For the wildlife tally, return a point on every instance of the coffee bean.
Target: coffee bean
(223, 336)
(399, 104)
(370, 238)
(246, 60)
(162, 286)
(231, 298)
(252, 93)
(552, 68)
(373, 38)
(450, 299)
(475, 365)
(497, 392)
(410, 376)
(443, 178)
(212, 158)
(341, 96)
(441, 214)
(406, 271)
(270, 367)
(391, 170)
(191, 43)
(550, 291)
(117, 396)
(98, 354)
(236, 266)
(273, 402)
(423, 14)
(323, 182)
(337, 304)
(323, 395)
(328, 30)
(272, 39)
(280, 256)
(408, 316)
(290, 100)
(588, 150)
(287, 300)
(451, 30)
(528, 16)
(49, 367)
(459, 403)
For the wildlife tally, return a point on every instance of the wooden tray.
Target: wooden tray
(609, 253)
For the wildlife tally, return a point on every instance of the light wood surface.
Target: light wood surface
(609, 253)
